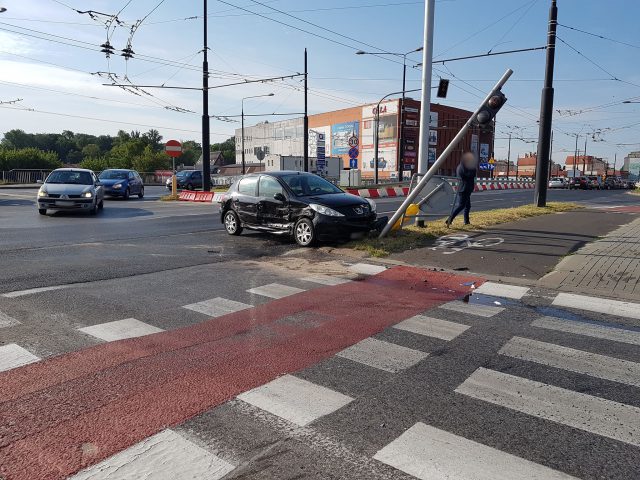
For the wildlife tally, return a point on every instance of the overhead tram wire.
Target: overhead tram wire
(602, 37)
(315, 34)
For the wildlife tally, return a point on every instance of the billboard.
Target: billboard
(386, 159)
(634, 168)
(484, 152)
(433, 137)
(340, 135)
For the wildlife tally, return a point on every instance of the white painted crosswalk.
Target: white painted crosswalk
(325, 280)
(502, 290)
(296, 400)
(432, 327)
(120, 330)
(217, 307)
(599, 305)
(367, 268)
(578, 410)
(429, 453)
(594, 330)
(14, 356)
(383, 355)
(275, 290)
(164, 456)
(7, 321)
(586, 363)
(473, 308)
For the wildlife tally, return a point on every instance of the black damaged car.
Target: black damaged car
(302, 205)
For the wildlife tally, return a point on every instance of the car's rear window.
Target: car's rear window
(70, 177)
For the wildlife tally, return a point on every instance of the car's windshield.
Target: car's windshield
(113, 175)
(70, 177)
(183, 173)
(303, 185)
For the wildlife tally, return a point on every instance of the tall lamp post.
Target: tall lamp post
(242, 104)
(404, 91)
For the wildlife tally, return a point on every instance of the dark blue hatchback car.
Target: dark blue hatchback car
(122, 183)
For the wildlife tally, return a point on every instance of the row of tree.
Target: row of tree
(140, 151)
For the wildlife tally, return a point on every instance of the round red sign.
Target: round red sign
(173, 148)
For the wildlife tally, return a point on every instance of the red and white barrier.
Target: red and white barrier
(404, 191)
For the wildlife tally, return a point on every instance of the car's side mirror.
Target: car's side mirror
(280, 197)
(98, 184)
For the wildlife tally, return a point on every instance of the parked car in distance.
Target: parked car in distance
(121, 183)
(187, 179)
(595, 182)
(558, 182)
(302, 205)
(579, 183)
(70, 189)
(610, 183)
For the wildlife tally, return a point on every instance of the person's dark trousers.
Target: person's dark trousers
(462, 203)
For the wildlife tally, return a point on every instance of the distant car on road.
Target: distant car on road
(558, 182)
(71, 189)
(122, 183)
(302, 205)
(611, 183)
(595, 182)
(187, 179)
(579, 183)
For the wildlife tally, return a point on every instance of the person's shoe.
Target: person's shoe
(447, 223)
(467, 223)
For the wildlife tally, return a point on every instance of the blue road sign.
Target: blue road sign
(353, 163)
(354, 152)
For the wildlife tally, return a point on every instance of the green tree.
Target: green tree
(150, 161)
(153, 139)
(13, 158)
(91, 150)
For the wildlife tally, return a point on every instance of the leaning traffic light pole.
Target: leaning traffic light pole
(482, 116)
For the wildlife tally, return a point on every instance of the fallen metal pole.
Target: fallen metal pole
(443, 156)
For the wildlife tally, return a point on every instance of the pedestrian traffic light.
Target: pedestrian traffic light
(443, 87)
(490, 108)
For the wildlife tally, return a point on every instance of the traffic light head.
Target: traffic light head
(490, 108)
(443, 88)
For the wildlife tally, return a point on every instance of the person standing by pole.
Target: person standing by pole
(466, 173)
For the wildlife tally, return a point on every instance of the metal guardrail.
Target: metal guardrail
(24, 176)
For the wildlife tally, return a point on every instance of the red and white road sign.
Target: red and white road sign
(173, 148)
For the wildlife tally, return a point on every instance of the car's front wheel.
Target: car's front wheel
(127, 194)
(304, 233)
(232, 223)
(42, 211)
(141, 194)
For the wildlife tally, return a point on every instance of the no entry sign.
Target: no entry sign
(173, 148)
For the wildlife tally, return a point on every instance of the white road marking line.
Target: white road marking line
(31, 291)
(383, 355)
(164, 456)
(296, 400)
(13, 356)
(217, 307)
(7, 321)
(589, 330)
(473, 308)
(120, 329)
(600, 305)
(275, 290)
(429, 453)
(367, 268)
(432, 327)
(586, 363)
(502, 290)
(578, 410)
(326, 280)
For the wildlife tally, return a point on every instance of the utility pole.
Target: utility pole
(550, 157)
(306, 115)
(575, 157)
(244, 168)
(425, 109)
(509, 158)
(584, 156)
(546, 112)
(206, 145)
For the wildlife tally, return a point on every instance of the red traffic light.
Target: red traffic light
(496, 101)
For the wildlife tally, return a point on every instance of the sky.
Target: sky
(50, 56)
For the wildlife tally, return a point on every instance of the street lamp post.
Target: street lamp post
(404, 91)
(242, 115)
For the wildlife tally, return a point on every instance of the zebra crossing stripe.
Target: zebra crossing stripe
(326, 280)
(217, 307)
(120, 330)
(275, 290)
(7, 321)
(473, 308)
(586, 363)
(599, 305)
(501, 290)
(383, 355)
(604, 332)
(367, 268)
(427, 453)
(14, 356)
(578, 410)
(432, 327)
(164, 456)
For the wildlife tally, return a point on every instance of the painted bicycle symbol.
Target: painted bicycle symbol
(458, 242)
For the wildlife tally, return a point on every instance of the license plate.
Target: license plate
(64, 204)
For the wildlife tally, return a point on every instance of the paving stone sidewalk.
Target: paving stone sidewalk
(609, 266)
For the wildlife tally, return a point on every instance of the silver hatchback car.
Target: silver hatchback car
(71, 189)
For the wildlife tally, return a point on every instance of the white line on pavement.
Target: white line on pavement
(367, 268)
(325, 280)
(600, 305)
(13, 356)
(432, 327)
(383, 355)
(578, 410)
(296, 400)
(429, 453)
(501, 290)
(217, 307)
(31, 291)
(586, 363)
(589, 330)
(275, 290)
(472, 308)
(120, 330)
(164, 456)
(7, 321)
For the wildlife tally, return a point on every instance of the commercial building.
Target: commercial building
(527, 164)
(631, 168)
(586, 165)
(349, 134)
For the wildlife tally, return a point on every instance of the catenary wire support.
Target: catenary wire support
(443, 156)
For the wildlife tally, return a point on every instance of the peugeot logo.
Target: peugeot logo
(358, 210)
(64, 196)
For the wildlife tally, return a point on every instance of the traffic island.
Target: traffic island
(410, 238)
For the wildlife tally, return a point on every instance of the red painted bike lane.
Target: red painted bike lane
(66, 413)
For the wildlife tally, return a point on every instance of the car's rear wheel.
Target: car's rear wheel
(42, 211)
(232, 223)
(304, 233)
(189, 186)
(141, 194)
